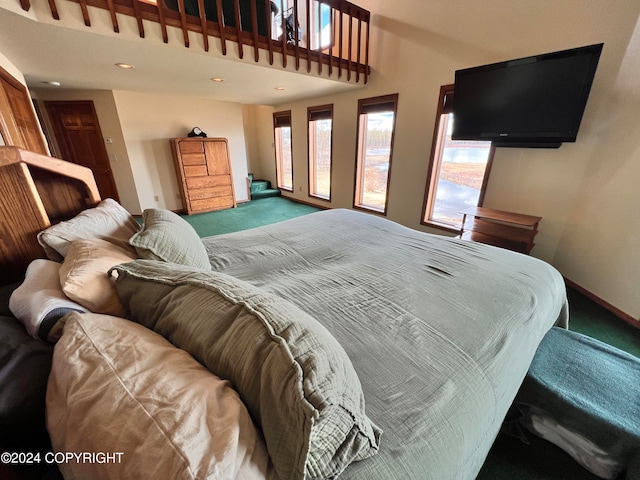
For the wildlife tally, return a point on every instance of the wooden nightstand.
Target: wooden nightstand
(513, 231)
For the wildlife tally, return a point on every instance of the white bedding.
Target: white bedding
(440, 331)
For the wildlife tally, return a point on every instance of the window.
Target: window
(458, 171)
(320, 25)
(320, 121)
(318, 17)
(284, 164)
(376, 125)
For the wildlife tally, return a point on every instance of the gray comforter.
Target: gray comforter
(441, 332)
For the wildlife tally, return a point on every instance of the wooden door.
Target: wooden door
(18, 123)
(75, 125)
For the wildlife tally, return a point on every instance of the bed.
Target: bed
(347, 345)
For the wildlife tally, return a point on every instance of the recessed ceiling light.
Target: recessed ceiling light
(280, 88)
(53, 84)
(217, 79)
(126, 66)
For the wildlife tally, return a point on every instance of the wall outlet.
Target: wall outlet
(156, 198)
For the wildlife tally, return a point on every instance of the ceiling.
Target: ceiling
(78, 58)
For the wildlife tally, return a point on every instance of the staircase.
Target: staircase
(261, 188)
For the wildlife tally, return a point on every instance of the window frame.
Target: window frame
(311, 112)
(445, 106)
(366, 106)
(281, 119)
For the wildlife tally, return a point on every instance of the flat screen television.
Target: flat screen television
(535, 101)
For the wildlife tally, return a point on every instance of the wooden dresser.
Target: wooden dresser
(203, 167)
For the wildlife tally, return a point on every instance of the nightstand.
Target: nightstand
(512, 231)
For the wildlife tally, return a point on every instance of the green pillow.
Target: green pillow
(168, 237)
(292, 374)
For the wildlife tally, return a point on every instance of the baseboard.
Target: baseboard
(297, 200)
(603, 303)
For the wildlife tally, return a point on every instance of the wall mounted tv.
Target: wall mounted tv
(535, 101)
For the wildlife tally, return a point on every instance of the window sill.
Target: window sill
(442, 226)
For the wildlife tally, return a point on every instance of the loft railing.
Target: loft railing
(330, 33)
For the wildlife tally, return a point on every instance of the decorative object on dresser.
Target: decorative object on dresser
(203, 167)
(513, 231)
(196, 132)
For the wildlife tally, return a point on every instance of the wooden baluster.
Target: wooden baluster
(331, 36)
(308, 36)
(221, 25)
(203, 25)
(236, 9)
(319, 39)
(138, 14)
(114, 19)
(358, 48)
(25, 4)
(366, 53)
(350, 42)
(85, 13)
(54, 9)
(296, 41)
(284, 38)
(269, 32)
(340, 45)
(254, 25)
(183, 22)
(163, 23)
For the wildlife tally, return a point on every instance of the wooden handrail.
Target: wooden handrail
(13, 155)
(351, 54)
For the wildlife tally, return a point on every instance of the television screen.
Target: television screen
(529, 102)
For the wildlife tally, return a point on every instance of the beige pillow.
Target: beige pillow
(107, 221)
(118, 388)
(84, 278)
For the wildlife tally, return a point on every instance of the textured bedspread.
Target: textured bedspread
(440, 331)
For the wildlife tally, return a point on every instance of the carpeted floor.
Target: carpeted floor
(247, 215)
(510, 458)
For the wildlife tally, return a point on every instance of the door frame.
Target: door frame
(61, 145)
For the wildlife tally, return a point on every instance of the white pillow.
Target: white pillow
(39, 301)
(84, 278)
(116, 386)
(107, 221)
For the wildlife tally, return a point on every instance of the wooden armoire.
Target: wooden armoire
(203, 167)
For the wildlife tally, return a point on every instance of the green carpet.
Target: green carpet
(247, 215)
(509, 458)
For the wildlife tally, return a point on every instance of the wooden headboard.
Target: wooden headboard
(36, 191)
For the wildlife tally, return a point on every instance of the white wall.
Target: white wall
(11, 68)
(599, 243)
(586, 192)
(149, 122)
(260, 161)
